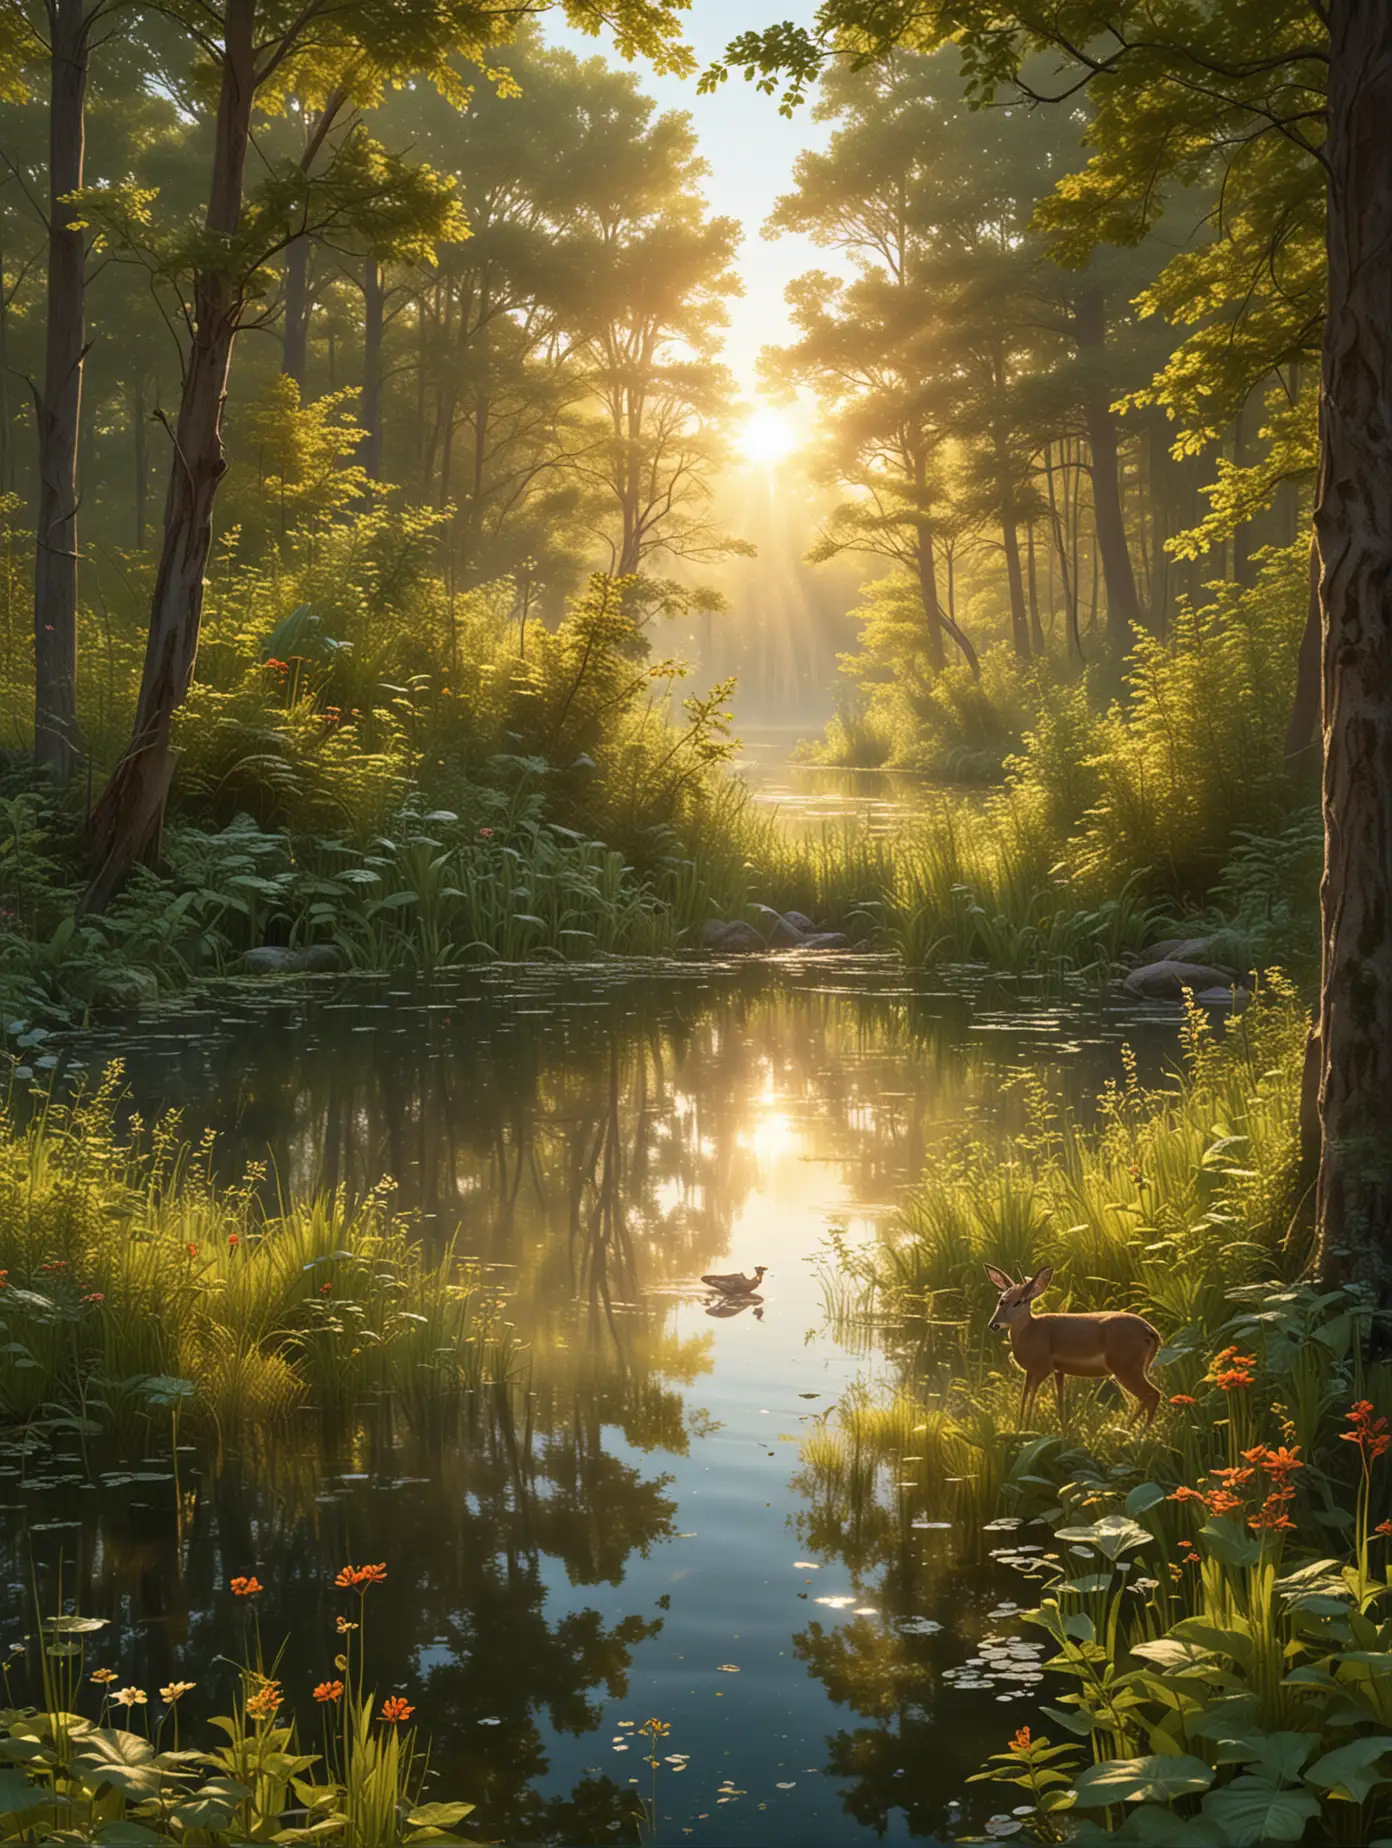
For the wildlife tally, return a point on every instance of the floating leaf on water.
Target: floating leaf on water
(727, 1668)
(806, 1565)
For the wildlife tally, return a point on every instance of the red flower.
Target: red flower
(233, 1240)
(395, 1709)
(485, 834)
(1183, 1398)
(1383, 1527)
(95, 1296)
(1370, 1434)
(192, 1250)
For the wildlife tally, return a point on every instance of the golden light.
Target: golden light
(768, 436)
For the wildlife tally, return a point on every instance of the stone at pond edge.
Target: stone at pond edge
(785, 935)
(273, 959)
(1167, 980)
(1178, 949)
(128, 987)
(1235, 997)
(799, 921)
(736, 938)
(825, 940)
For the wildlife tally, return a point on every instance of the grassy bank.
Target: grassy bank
(1216, 1593)
(138, 1292)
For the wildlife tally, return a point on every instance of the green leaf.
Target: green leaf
(18, 1795)
(1158, 1778)
(439, 1815)
(1350, 1770)
(1094, 1581)
(1172, 1655)
(1143, 1497)
(1113, 1535)
(1222, 1639)
(1276, 1756)
(1251, 1810)
(1228, 1544)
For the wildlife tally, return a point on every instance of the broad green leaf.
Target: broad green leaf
(1228, 1543)
(439, 1815)
(1172, 1655)
(1350, 1770)
(18, 1795)
(1276, 1756)
(1252, 1810)
(1143, 1497)
(1157, 1779)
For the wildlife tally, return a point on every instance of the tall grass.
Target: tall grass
(136, 1288)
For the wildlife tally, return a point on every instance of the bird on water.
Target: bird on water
(735, 1283)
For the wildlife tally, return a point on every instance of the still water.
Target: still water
(643, 1537)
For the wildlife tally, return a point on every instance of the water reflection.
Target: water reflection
(635, 1524)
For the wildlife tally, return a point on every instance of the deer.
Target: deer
(1096, 1345)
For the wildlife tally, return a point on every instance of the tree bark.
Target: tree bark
(126, 821)
(940, 622)
(1353, 521)
(1123, 605)
(140, 461)
(1036, 625)
(374, 316)
(1302, 734)
(59, 406)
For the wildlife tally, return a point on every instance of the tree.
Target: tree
(1179, 92)
(258, 53)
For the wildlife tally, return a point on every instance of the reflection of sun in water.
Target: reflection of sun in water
(771, 1136)
(768, 437)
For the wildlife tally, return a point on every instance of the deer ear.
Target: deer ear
(999, 1278)
(1040, 1282)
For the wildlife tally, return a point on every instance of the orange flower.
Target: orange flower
(1183, 1398)
(395, 1709)
(1370, 1434)
(1232, 1377)
(1185, 1493)
(1231, 1478)
(192, 1250)
(263, 1703)
(351, 1578)
(245, 1587)
(329, 1690)
(1279, 1462)
(1221, 1501)
(233, 1240)
(1021, 1741)
(4, 1279)
(1383, 1527)
(1231, 1369)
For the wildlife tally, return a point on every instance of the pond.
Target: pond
(642, 1537)
(810, 797)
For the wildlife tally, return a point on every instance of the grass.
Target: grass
(135, 1287)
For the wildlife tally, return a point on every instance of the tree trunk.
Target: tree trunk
(59, 407)
(1302, 734)
(1353, 521)
(140, 460)
(126, 821)
(1123, 606)
(1036, 625)
(374, 315)
(1070, 587)
(294, 358)
(939, 621)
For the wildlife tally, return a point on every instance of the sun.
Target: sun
(768, 436)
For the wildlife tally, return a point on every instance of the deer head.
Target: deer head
(1013, 1305)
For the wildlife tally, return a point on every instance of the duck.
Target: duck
(735, 1283)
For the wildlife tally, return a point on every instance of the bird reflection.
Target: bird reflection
(724, 1307)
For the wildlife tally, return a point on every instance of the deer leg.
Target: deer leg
(1058, 1388)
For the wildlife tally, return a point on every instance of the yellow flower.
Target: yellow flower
(263, 1703)
(132, 1697)
(175, 1689)
(103, 1675)
(344, 1626)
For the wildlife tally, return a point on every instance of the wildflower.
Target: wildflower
(245, 1587)
(324, 1288)
(263, 1703)
(329, 1690)
(1232, 1478)
(103, 1676)
(1231, 1369)
(485, 834)
(1384, 1528)
(4, 1278)
(1183, 1398)
(344, 1626)
(56, 1264)
(233, 1240)
(176, 1690)
(132, 1697)
(395, 1709)
(192, 1250)
(1370, 1434)
(94, 1296)
(1021, 1741)
(1176, 1573)
(655, 1729)
(1221, 1501)
(1184, 1493)
(1279, 1462)
(354, 1577)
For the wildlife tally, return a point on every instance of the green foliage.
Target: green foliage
(133, 1282)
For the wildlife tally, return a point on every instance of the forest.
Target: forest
(642, 637)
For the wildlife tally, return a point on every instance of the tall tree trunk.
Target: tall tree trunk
(1123, 606)
(140, 461)
(1036, 625)
(1070, 585)
(1353, 521)
(59, 407)
(939, 621)
(126, 821)
(1302, 733)
(374, 315)
(294, 358)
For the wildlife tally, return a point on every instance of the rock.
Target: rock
(1179, 949)
(799, 921)
(320, 959)
(275, 959)
(1167, 980)
(825, 940)
(269, 959)
(128, 987)
(1236, 997)
(712, 931)
(785, 935)
(734, 939)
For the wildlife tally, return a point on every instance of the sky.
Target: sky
(750, 149)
